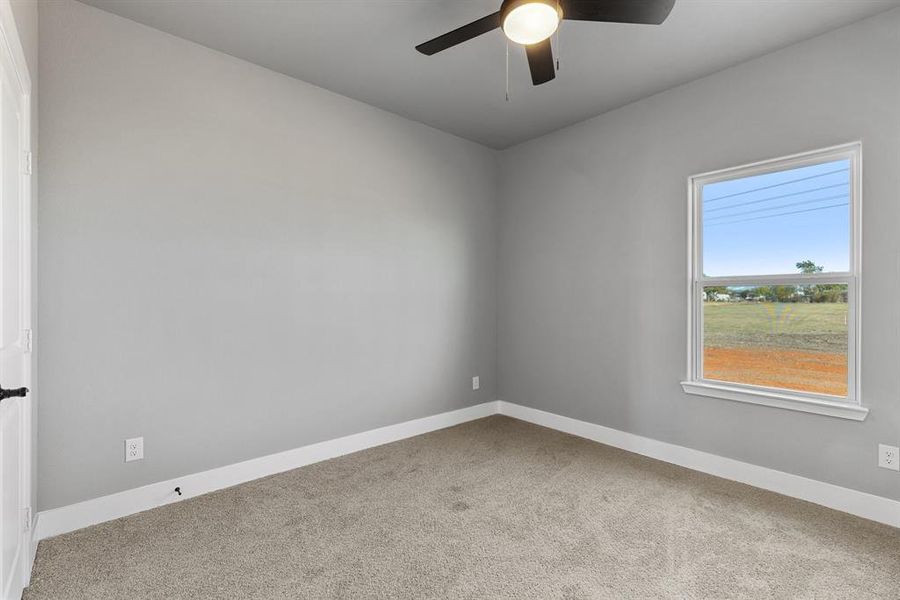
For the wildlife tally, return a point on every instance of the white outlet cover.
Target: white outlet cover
(134, 449)
(889, 457)
(476, 383)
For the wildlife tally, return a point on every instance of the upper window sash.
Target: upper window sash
(851, 152)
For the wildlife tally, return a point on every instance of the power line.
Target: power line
(795, 212)
(775, 185)
(780, 206)
(819, 189)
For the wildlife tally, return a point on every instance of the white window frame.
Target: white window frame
(851, 408)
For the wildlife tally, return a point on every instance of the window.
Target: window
(774, 283)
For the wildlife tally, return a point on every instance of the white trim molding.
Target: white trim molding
(15, 66)
(61, 520)
(854, 502)
(830, 408)
(90, 512)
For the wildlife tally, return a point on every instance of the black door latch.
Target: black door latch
(14, 393)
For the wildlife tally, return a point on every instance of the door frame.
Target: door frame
(12, 58)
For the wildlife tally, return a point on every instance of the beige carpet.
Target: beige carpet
(496, 508)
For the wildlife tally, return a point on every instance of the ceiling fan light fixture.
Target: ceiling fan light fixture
(530, 21)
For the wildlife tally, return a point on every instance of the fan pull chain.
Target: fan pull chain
(558, 47)
(558, 52)
(507, 71)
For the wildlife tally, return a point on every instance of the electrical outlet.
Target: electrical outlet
(134, 449)
(889, 457)
(476, 383)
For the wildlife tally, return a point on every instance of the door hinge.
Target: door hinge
(27, 518)
(26, 165)
(26, 337)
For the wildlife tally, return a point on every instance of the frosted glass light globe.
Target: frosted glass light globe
(531, 23)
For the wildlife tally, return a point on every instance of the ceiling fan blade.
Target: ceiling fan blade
(540, 61)
(649, 12)
(460, 34)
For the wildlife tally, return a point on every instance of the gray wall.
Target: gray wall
(594, 245)
(235, 263)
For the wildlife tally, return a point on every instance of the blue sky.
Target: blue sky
(765, 224)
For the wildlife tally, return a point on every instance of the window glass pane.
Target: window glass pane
(766, 224)
(792, 337)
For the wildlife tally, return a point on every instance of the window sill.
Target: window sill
(842, 410)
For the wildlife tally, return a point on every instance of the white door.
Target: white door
(15, 325)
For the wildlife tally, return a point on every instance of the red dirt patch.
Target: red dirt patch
(817, 372)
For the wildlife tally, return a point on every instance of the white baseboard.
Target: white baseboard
(106, 508)
(861, 504)
(31, 554)
(90, 512)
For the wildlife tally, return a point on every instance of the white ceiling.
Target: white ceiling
(364, 49)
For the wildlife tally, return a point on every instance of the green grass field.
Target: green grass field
(819, 327)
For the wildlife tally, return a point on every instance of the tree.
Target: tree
(713, 290)
(764, 292)
(821, 292)
(808, 266)
(784, 293)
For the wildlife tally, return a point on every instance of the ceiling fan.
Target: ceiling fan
(532, 22)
